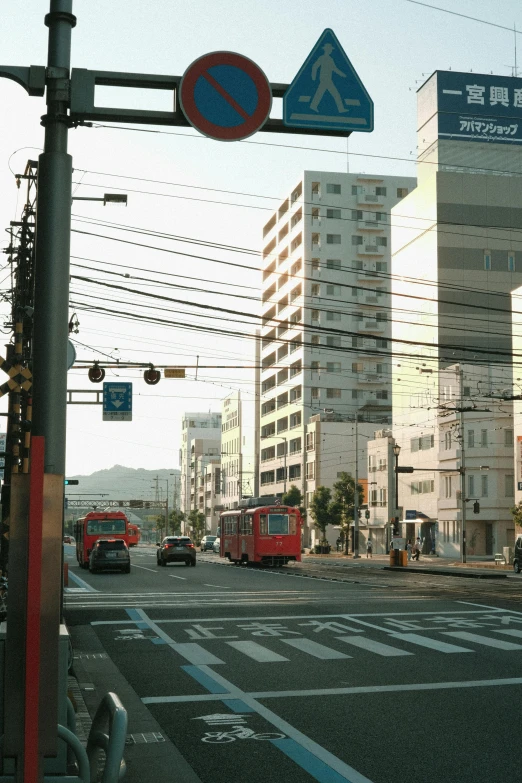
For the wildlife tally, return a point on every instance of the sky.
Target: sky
(211, 198)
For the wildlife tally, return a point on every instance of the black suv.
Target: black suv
(109, 554)
(174, 549)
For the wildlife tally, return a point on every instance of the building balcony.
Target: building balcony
(369, 198)
(370, 378)
(371, 225)
(370, 250)
(371, 326)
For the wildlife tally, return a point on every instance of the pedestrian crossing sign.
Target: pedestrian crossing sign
(327, 93)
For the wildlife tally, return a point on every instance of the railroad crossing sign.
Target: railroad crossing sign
(117, 401)
(327, 92)
(226, 96)
(19, 377)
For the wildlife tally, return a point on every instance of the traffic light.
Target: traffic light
(151, 376)
(96, 374)
(359, 513)
(69, 482)
(394, 523)
(476, 507)
(367, 513)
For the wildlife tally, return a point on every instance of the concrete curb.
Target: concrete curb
(446, 572)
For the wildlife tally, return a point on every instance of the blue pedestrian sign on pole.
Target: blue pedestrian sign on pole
(327, 92)
(117, 401)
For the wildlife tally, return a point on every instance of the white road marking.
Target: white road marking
(222, 587)
(195, 653)
(153, 570)
(432, 644)
(510, 632)
(172, 576)
(422, 686)
(317, 650)
(257, 652)
(372, 646)
(487, 641)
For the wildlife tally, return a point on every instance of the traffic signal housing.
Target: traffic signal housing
(476, 507)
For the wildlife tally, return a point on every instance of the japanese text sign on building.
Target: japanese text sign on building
(479, 107)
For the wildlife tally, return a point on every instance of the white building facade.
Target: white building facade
(239, 449)
(326, 326)
(194, 426)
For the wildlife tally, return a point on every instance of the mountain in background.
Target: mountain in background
(121, 483)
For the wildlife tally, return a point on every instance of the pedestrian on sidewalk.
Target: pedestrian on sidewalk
(409, 548)
(369, 547)
(417, 549)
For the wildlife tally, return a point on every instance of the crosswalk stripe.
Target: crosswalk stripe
(487, 641)
(511, 632)
(257, 652)
(432, 644)
(372, 646)
(316, 649)
(195, 654)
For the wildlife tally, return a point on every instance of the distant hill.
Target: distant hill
(122, 483)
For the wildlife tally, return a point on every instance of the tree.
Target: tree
(294, 497)
(321, 509)
(197, 523)
(516, 513)
(176, 517)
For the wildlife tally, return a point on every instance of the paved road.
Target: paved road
(358, 675)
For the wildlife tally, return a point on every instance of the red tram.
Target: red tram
(261, 531)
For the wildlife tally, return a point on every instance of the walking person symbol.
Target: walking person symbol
(326, 66)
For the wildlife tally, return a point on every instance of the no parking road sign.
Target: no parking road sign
(226, 96)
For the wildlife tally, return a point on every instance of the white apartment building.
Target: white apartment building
(326, 318)
(194, 425)
(381, 490)
(212, 496)
(239, 449)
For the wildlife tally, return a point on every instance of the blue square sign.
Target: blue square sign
(117, 401)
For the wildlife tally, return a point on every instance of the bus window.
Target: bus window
(106, 527)
(263, 527)
(293, 524)
(230, 525)
(278, 524)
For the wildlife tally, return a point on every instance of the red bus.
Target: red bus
(98, 524)
(134, 534)
(261, 532)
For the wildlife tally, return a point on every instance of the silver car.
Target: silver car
(215, 546)
(207, 543)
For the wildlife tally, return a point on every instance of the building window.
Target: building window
(333, 239)
(331, 316)
(357, 214)
(333, 213)
(332, 394)
(509, 486)
(382, 241)
(381, 266)
(447, 440)
(356, 240)
(425, 442)
(316, 289)
(316, 188)
(511, 262)
(333, 263)
(357, 394)
(471, 486)
(356, 190)
(382, 395)
(357, 367)
(315, 393)
(487, 260)
(483, 438)
(315, 264)
(380, 191)
(333, 341)
(296, 267)
(447, 486)
(315, 315)
(508, 437)
(310, 470)
(333, 366)
(315, 339)
(314, 366)
(333, 188)
(402, 192)
(333, 290)
(310, 441)
(471, 439)
(484, 486)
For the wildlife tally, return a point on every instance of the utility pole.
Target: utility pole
(462, 467)
(356, 493)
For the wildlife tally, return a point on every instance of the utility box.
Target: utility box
(507, 551)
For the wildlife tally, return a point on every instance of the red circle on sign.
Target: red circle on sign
(251, 123)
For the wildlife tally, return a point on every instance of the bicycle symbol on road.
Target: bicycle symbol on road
(238, 733)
